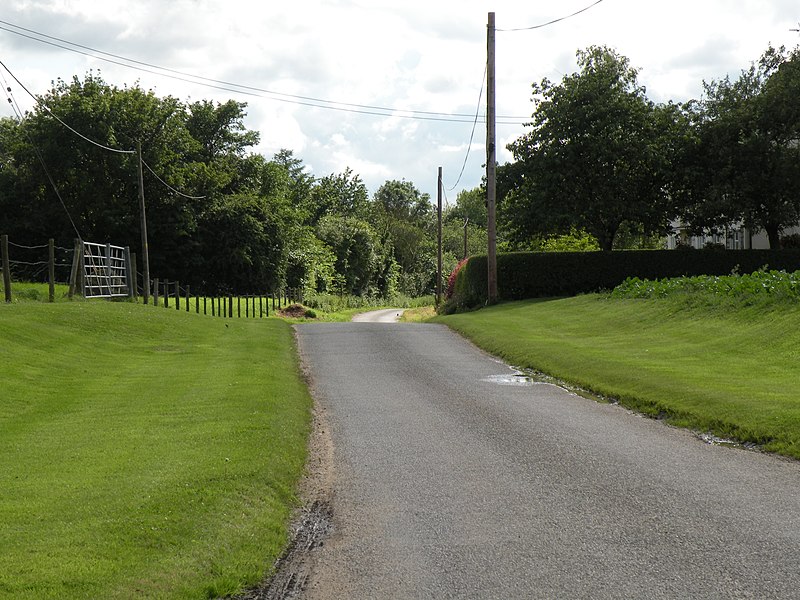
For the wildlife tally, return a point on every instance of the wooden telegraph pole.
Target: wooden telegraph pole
(143, 218)
(491, 161)
(439, 235)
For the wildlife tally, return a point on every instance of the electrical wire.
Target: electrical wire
(474, 125)
(248, 90)
(169, 187)
(52, 114)
(20, 118)
(554, 21)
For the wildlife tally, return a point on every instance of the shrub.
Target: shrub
(532, 275)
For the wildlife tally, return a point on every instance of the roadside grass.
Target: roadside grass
(144, 452)
(418, 315)
(731, 372)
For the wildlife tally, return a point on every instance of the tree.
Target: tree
(247, 234)
(747, 149)
(405, 221)
(355, 246)
(336, 194)
(597, 155)
(470, 204)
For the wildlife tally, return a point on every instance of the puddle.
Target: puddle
(713, 440)
(511, 379)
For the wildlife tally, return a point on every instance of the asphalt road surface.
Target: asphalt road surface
(454, 478)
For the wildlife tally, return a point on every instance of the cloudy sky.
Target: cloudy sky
(313, 70)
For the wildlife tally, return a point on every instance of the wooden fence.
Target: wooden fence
(164, 293)
(34, 263)
(170, 294)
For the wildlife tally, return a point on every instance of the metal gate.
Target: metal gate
(104, 271)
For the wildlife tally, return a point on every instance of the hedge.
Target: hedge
(522, 275)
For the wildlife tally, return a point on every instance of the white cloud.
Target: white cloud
(419, 55)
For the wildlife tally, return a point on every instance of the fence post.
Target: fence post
(205, 310)
(81, 278)
(166, 293)
(6, 268)
(189, 297)
(213, 311)
(239, 307)
(177, 295)
(155, 291)
(73, 274)
(130, 275)
(135, 276)
(230, 307)
(51, 269)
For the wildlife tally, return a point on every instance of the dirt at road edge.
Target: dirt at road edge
(312, 522)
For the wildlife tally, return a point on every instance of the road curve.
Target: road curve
(454, 479)
(387, 315)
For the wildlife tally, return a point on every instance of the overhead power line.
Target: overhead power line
(472, 135)
(38, 101)
(553, 22)
(366, 109)
(168, 186)
(20, 117)
(52, 114)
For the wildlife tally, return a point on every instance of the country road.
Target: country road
(453, 478)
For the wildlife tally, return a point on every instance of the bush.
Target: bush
(759, 288)
(533, 275)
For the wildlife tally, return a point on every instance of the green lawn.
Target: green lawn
(144, 452)
(731, 372)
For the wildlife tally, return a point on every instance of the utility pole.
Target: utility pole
(491, 161)
(439, 235)
(143, 218)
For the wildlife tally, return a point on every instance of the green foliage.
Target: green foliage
(163, 466)
(312, 264)
(247, 233)
(532, 275)
(471, 205)
(762, 288)
(598, 155)
(743, 162)
(355, 246)
(343, 195)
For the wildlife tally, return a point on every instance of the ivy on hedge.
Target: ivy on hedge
(522, 275)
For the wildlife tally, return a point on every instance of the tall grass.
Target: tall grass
(144, 452)
(333, 303)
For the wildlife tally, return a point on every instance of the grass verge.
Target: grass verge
(733, 373)
(144, 452)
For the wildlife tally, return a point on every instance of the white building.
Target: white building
(733, 238)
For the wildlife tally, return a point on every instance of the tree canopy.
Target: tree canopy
(597, 155)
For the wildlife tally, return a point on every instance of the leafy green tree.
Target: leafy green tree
(247, 233)
(470, 205)
(341, 194)
(747, 149)
(597, 155)
(300, 181)
(355, 246)
(406, 224)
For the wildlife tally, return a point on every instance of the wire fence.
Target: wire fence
(100, 270)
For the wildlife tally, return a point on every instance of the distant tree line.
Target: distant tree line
(603, 165)
(241, 222)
